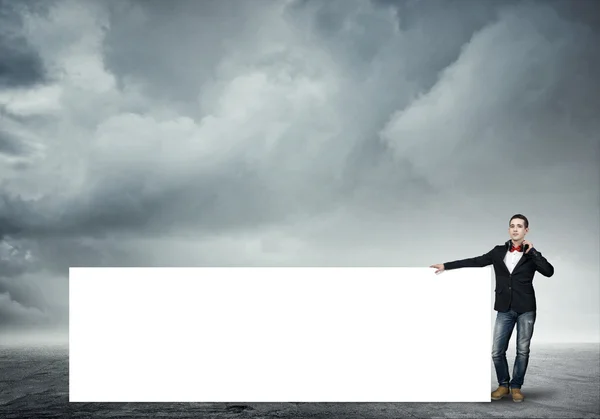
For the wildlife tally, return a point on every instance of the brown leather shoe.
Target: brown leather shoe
(500, 392)
(517, 395)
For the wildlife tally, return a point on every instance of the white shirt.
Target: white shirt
(511, 259)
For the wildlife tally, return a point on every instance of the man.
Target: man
(515, 263)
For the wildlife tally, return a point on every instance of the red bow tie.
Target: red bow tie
(513, 248)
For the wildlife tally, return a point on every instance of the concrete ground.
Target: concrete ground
(563, 381)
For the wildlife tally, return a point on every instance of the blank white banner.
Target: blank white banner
(279, 335)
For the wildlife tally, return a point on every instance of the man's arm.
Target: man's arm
(476, 262)
(542, 265)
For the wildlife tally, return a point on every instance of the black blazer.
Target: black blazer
(513, 291)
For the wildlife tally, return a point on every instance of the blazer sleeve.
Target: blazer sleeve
(476, 262)
(541, 264)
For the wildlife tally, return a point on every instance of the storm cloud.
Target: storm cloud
(296, 133)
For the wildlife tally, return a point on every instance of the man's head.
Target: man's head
(518, 227)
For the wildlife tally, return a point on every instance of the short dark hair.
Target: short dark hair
(520, 216)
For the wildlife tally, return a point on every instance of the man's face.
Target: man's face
(517, 230)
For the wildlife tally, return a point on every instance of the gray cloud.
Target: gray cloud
(298, 133)
(21, 64)
(12, 146)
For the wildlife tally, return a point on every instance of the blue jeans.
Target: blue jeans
(505, 324)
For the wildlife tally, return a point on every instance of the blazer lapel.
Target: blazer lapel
(501, 256)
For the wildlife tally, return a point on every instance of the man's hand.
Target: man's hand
(525, 242)
(439, 267)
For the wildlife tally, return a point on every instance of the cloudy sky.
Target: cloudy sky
(296, 133)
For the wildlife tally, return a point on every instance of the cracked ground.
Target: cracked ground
(563, 381)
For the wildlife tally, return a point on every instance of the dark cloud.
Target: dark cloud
(20, 63)
(19, 66)
(14, 259)
(164, 52)
(24, 294)
(22, 301)
(298, 133)
(586, 12)
(12, 146)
